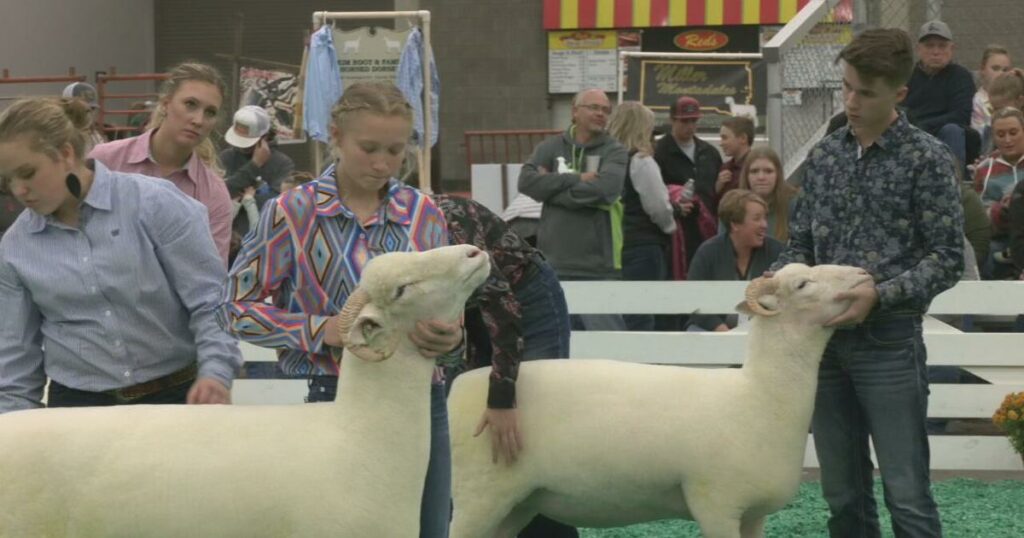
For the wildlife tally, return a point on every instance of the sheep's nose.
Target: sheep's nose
(473, 253)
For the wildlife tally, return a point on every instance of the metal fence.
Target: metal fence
(808, 90)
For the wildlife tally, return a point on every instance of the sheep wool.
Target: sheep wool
(354, 467)
(612, 443)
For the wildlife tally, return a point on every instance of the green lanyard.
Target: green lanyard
(577, 161)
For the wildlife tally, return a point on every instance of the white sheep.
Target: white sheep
(355, 467)
(612, 443)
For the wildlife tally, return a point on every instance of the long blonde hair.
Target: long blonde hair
(778, 199)
(632, 124)
(178, 75)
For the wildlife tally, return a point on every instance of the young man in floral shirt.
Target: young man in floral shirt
(882, 195)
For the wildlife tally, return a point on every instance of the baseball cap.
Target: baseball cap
(686, 108)
(83, 91)
(250, 124)
(935, 28)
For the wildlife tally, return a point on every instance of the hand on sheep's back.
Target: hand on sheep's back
(208, 391)
(506, 439)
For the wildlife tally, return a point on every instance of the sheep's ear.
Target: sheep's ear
(369, 338)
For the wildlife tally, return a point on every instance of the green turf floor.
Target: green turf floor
(969, 509)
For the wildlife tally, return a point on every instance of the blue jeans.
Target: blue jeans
(545, 315)
(873, 381)
(643, 263)
(435, 507)
(953, 136)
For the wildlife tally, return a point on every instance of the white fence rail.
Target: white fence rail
(997, 357)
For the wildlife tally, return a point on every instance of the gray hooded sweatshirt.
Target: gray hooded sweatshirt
(581, 221)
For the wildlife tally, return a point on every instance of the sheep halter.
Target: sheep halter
(758, 287)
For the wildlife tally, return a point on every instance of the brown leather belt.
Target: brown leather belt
(153, 386)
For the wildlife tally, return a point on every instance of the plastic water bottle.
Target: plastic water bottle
(688, 190)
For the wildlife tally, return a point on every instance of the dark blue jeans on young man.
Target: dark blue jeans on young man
(435, 507)
(873, 382)
(643, 263)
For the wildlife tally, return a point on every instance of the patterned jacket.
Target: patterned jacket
(892, 209)
(308, 253)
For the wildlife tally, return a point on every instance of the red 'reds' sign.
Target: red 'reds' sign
(701, 40)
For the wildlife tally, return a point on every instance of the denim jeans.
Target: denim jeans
(873, 382)
(545, 315)
(435, 507)
(953, 136)
(643, 263)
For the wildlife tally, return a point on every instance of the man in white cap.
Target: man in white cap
(940, 92)
(252, 161)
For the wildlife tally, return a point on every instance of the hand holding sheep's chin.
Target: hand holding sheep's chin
(435, 338)
(506, 439)
(208, 391)
(863, 298)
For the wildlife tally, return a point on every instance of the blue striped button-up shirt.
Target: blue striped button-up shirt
(127, 297)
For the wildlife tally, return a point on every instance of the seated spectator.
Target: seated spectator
(1007, 90)
(997, 175)
(940, 91)
(996, 179)
(995, 60)
(762, 174)
(108, 282)
(736, 138)
(647, 220)
(94, 134)
(744, 252)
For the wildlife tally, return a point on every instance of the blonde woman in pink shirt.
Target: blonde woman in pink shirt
(177, 147)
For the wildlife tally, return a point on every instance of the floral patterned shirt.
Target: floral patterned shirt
(892, 209)
(470, 223)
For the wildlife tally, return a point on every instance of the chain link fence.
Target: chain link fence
(811, 80)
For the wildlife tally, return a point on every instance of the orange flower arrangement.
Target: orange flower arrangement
(1010, 418)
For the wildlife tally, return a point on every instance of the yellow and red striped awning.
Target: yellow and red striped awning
(580, 14)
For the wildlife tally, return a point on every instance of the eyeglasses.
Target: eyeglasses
(597, 108)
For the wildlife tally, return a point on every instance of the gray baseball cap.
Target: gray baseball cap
(935, 28)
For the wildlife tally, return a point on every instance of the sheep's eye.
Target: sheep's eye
(400, 290)
(802, 284)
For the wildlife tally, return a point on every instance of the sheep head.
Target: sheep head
(802, 292)
(398, 289)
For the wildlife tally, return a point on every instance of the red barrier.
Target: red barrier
(6, 78)
(503, 147)
(118, 107)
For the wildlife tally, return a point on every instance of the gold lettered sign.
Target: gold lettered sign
(723, 87)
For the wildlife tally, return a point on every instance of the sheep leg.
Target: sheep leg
(479, 521)
(716, 516)
(515, 521)
(752, 527)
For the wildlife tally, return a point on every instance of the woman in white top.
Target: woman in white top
(994, 62)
